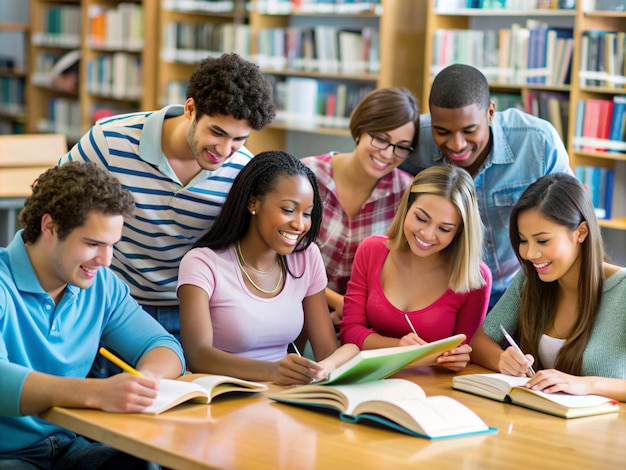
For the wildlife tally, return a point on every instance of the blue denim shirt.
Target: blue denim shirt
(523, 149)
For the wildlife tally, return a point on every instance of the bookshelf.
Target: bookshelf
(55, 32)
(509, 74)
(106, 41)
(192, 30)
(584, 88)
(316, 91)
(118, 58)
(505, 38)
(14, 38)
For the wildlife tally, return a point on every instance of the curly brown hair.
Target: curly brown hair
(68, 193)
(231, 86)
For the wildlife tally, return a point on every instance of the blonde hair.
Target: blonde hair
(465, 251)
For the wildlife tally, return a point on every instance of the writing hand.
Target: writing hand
(294, 369)
(512, 362)
(124, 393)
(411, 339)
(455, 359)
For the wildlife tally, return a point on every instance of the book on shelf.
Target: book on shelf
(452, 5)
(617, 127)
(199, 388)
(396, 403)
(376, 364)
(600, 125)
(552, 106)
(502, 387)
(596, 122)
(533, 52)
(598, 182)
(602, 59)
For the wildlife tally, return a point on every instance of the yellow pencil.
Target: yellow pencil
(121, 364)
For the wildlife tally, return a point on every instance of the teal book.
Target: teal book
(395, 403)
(377, 364)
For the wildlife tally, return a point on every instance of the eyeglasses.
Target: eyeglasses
(400, 151)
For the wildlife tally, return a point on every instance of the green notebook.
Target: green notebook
(376, 364)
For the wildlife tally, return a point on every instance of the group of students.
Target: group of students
(237, 256)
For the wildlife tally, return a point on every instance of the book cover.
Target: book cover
(377, 364)
(199, 388)
(396, 403)
(502, 387)
(617, 120)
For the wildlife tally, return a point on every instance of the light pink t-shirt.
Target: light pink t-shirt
(244, 324)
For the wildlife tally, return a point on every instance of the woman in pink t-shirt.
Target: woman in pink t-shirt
(256, 279)
(425, 274)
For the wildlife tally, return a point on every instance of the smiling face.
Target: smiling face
(214, 139)
(553, 249)
(283, 216)
(463, 134)
(431, 224)
(76, 259)
(377, 163)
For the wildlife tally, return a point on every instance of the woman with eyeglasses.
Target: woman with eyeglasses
(361, 190)
(424, 280)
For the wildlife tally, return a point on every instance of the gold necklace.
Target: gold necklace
(240, 255)
(254, 284)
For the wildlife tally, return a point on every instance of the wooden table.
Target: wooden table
(246, 432)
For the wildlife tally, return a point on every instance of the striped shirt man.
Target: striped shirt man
(169, 215)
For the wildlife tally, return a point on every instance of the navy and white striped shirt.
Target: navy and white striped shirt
(169, 217)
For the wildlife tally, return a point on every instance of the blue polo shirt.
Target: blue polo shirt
(63, 339)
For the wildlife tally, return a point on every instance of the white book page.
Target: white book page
(384, 390)
(210, 382)
(574, 401)
(442, 416)
(170, 391)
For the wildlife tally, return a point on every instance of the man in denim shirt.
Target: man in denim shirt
(503, 151)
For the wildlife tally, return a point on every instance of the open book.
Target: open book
(199, 388)
(376, 364)
(396, 403)
(504, 387)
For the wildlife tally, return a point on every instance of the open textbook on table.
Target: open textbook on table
(504, 387)
(199, 388)
(397, 403)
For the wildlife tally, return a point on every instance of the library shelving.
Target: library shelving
(52, 98)
(118, 58)
(500, 42)
(329, 55)
(89, 59)
(192, 30)
(505, 37)
(13, 78)
(601, 82)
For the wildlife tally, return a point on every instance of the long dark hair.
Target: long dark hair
(258, 178)
(562, 199)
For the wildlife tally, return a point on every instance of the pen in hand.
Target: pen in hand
(119, 363)
(408, 320)
(295, 348)
(514, 345)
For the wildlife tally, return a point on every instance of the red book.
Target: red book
(597, 122)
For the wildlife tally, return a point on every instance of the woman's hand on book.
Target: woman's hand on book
(513, 362)
(552, 380)
(456, 359)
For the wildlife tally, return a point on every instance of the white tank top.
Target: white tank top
(549, 347)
